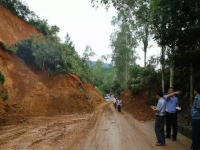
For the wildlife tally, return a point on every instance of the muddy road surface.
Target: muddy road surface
(105, 129)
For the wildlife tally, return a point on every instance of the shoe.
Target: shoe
(159, 144)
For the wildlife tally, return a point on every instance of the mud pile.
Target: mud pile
(137, 104)
(34, 93)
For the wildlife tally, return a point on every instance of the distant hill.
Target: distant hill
(104, 65)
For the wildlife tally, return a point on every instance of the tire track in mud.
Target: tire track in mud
(120, 131)
(52, 133)
(104, 135)
(105, 129)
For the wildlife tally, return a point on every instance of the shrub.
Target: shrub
(2, 78)
(4, 97)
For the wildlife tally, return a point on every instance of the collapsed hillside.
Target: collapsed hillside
(137, 104)
(39, 94)
(12, 28)
(35, 93)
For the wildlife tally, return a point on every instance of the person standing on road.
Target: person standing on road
(171, 114)
(160, 119)
(115, 102)
(119, 104)
(195, 112)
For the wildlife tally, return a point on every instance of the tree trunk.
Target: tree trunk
(146, 43)
(145, 58)
(171, 77)
(126, 69)
(163, 68)
(191, 85)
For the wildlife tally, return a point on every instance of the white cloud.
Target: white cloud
(85, 24)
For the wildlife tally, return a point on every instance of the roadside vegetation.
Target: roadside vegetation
(174, 26)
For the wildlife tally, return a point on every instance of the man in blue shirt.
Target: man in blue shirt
(195, 112)
(160, 119)
(171, 115)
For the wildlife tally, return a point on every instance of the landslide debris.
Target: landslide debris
(137, 104)
(34, 93)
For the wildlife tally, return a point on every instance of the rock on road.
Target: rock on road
(105, 129)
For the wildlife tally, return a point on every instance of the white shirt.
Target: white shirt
(114, 101)
(119, 102)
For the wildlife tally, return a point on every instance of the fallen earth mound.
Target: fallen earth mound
(137, 104)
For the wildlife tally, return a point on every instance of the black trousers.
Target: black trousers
(159, 129)
(119, 108)
(171, 121)
(115, 105)
(195, 134)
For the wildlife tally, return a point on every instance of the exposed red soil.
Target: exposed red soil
(12, 28)
(34, 93)
(38, 94)
(137, 104)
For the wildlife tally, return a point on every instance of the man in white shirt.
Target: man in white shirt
(115, 102)
(119, 104)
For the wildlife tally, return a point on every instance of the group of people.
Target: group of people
(117, 104)
(166, 110)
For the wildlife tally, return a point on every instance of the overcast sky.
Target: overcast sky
(85, 24)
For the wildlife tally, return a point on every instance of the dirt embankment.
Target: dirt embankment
(137, 104)
(34, 93)
(12, 28)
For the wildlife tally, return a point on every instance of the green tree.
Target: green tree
(137, 13)
(123, 44)
(175, 24)
(85, 72)
(87, 54)
(96, 73)
(47, 54)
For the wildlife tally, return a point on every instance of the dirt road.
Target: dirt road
(105, 129)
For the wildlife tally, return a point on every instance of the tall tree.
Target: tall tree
(123, 44)
(163, 67)
(96, 73)
(137, 13)
(171, 76)
(87, 54)
(176, 25)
